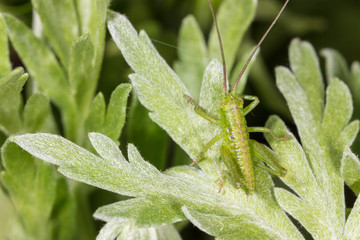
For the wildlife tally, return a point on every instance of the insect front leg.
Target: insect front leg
(264, 155)
(206, 148)
(255, 101)
(201, 112)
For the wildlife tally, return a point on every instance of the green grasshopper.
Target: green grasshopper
(237, 150)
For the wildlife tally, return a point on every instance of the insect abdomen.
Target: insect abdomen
(238, 140)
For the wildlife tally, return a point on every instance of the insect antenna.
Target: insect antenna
(221, 46)
(257, 46)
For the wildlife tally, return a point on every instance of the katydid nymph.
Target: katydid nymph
(238, 150)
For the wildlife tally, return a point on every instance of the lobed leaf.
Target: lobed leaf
(109, 121)
(317, 200)
(305, 65)
(138, 178)
(164, 97)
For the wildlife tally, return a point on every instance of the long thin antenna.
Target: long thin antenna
(257, 47)
(221, 46)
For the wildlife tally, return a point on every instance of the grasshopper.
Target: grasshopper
(238, 150)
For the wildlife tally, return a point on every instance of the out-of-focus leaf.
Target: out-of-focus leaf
(96, 116)
(37, 115)
(192, 55)
(60, 24)
(336, 66)
(11, 103)
(325, 130)
(81, 72)
(93, 21)
(40, 62)
(234, 18)
(32, 189)
(5, 65)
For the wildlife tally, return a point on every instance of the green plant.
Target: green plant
(65, 71)
(316, 168)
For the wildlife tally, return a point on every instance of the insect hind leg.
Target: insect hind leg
(262, 153)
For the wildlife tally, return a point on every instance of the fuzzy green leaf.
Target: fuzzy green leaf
(314, 171)
(32, 189)
(45, 209)
(111, 121)
(138, 178)
(11, 103)
(234, 18)
(96, 116)
(5, 65)
(81, 74)
(230, 227)
(125, 230)
(350, 170)
(336, 67)
(142, 209)
(192, 55)
(305, 65)
(335, 117)
(164, 97)
(166, 91)
(60, 24)
(116, 112)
